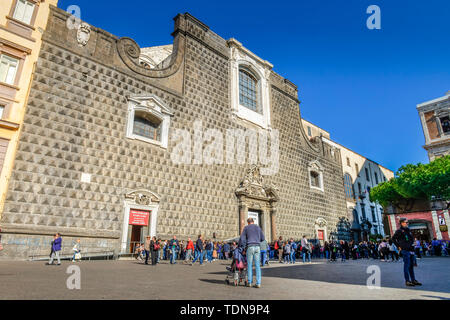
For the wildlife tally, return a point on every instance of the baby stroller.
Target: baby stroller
(237, 272)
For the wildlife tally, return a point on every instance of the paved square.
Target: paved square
(134, 280)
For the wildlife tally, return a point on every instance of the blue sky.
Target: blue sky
(361, 85)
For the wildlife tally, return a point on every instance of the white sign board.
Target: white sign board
(255, 216)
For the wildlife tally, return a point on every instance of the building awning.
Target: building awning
(418, 226)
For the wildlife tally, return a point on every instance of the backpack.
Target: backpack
(276, 246)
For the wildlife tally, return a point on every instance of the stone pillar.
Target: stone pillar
(243, 213)
(273, 226)
(393, 224)
(436, 225)
(447, 218)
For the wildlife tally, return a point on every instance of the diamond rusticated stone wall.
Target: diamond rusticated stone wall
(76, 122)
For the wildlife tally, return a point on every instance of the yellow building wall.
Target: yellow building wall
(17, 112)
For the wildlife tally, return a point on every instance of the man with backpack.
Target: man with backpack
(293, 250)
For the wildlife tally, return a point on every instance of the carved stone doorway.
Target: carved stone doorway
(255, 196)
(139, 218)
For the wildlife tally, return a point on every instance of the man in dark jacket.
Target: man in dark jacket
(404, 241)
(251, 238)
(198, 251)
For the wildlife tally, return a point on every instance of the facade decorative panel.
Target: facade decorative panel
(76, 122)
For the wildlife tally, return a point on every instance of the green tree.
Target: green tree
(421, 181)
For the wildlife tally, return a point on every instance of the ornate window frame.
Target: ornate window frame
(157, 108)
(315, 166)
(243, 58)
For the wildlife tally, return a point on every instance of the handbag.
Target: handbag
(156, 247)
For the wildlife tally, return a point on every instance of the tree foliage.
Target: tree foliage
(421, 181)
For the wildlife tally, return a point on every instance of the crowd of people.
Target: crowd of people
(290, 251)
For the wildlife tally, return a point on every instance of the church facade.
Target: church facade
(121, 142)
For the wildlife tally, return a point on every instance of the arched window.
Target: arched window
(348, 185)
(248, 90)
(315, 179)
(315, 171)
(148, 126)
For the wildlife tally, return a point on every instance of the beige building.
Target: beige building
(22, 23)
(435, 119)
(360, 175)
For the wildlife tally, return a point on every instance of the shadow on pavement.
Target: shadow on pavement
(436, 297)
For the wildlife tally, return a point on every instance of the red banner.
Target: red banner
(139, 218)
(320, 234)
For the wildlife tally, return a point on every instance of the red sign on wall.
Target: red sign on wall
(139, 217)
(320, 234)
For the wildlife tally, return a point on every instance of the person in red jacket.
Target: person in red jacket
(189, 250)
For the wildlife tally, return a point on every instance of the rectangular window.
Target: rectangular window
(357, 169)
(376, 178)
(348, 162)
(24, 11)
(367, 174)
(363, 211)
(8, 69)
(309, 131)
(374, 218)
(2, 109)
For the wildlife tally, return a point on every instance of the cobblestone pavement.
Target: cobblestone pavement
(134, 280)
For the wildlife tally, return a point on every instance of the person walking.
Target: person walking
(226, 249)
(147, 246)
(154, 250)
(76, 251)
(174, 246)
(404, 240)
(250, 239)
(393, 251)
(264, 248)
(56, 249)
(279, 247)
(417, 248)
(306, 249)
(189, 251)
(198, 251)
(293, 250)
(287, 252)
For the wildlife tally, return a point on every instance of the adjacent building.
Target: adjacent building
(22, 23)
(360, 175)
(435, 118)
(117, 144)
